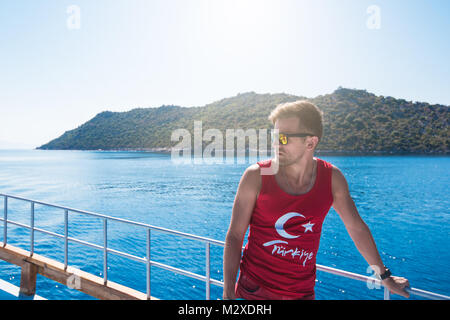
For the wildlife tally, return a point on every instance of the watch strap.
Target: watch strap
(387, 273)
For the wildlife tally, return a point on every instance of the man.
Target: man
(285, 211)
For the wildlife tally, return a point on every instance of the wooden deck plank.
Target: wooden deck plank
(74, 278)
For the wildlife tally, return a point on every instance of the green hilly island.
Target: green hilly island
(355, 121)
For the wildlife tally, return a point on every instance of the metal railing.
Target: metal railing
(208, 242)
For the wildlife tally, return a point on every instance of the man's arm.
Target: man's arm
(244, 202)
(360, 233)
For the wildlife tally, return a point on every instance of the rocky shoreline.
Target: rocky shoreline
(168, 150)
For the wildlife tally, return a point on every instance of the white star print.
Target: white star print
(308, 226)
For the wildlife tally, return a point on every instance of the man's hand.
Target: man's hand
(397, 285)
(359, 231)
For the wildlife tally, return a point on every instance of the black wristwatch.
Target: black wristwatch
(386, 274)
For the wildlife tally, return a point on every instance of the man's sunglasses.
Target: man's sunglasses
(283, 137)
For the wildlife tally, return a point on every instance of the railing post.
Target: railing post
(387, 295)
(32, 230)
(28, 279)
(105, 251)
(148, 265)
(208, 272)
(66, 238)
(5, 223)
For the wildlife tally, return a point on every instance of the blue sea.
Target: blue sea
(403, 199)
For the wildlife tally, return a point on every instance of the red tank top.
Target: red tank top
(284, 234)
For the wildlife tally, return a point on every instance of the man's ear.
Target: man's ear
(312, 142)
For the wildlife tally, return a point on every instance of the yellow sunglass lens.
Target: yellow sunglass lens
(282, 139)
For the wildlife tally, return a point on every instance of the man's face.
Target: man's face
(296, 146)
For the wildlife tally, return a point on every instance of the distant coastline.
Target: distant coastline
(356, 122)
(167, 150)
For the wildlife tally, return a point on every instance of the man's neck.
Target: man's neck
(299, 173)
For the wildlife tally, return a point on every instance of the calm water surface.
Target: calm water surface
(403, 199)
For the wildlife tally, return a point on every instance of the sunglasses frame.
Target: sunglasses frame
(288, 135)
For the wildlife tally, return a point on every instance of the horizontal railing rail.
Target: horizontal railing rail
(147, 259)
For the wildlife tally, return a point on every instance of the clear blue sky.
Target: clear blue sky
(146, 53)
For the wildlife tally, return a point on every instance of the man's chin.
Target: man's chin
(282, 160)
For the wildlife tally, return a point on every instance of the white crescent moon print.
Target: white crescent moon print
(279, 225)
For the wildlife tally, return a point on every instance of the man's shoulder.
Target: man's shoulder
(253, 172)
(251, 180)
(324, 163)
(335, 169)
(338, 181)
(255, 168)
(336, 172)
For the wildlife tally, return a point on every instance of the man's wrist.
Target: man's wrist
(385, 274)
(228, 294)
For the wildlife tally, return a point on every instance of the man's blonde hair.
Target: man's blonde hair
(309, 115)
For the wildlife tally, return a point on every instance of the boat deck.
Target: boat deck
(9, 291)
(102, 288)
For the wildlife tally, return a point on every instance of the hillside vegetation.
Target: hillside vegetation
(355, 121)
